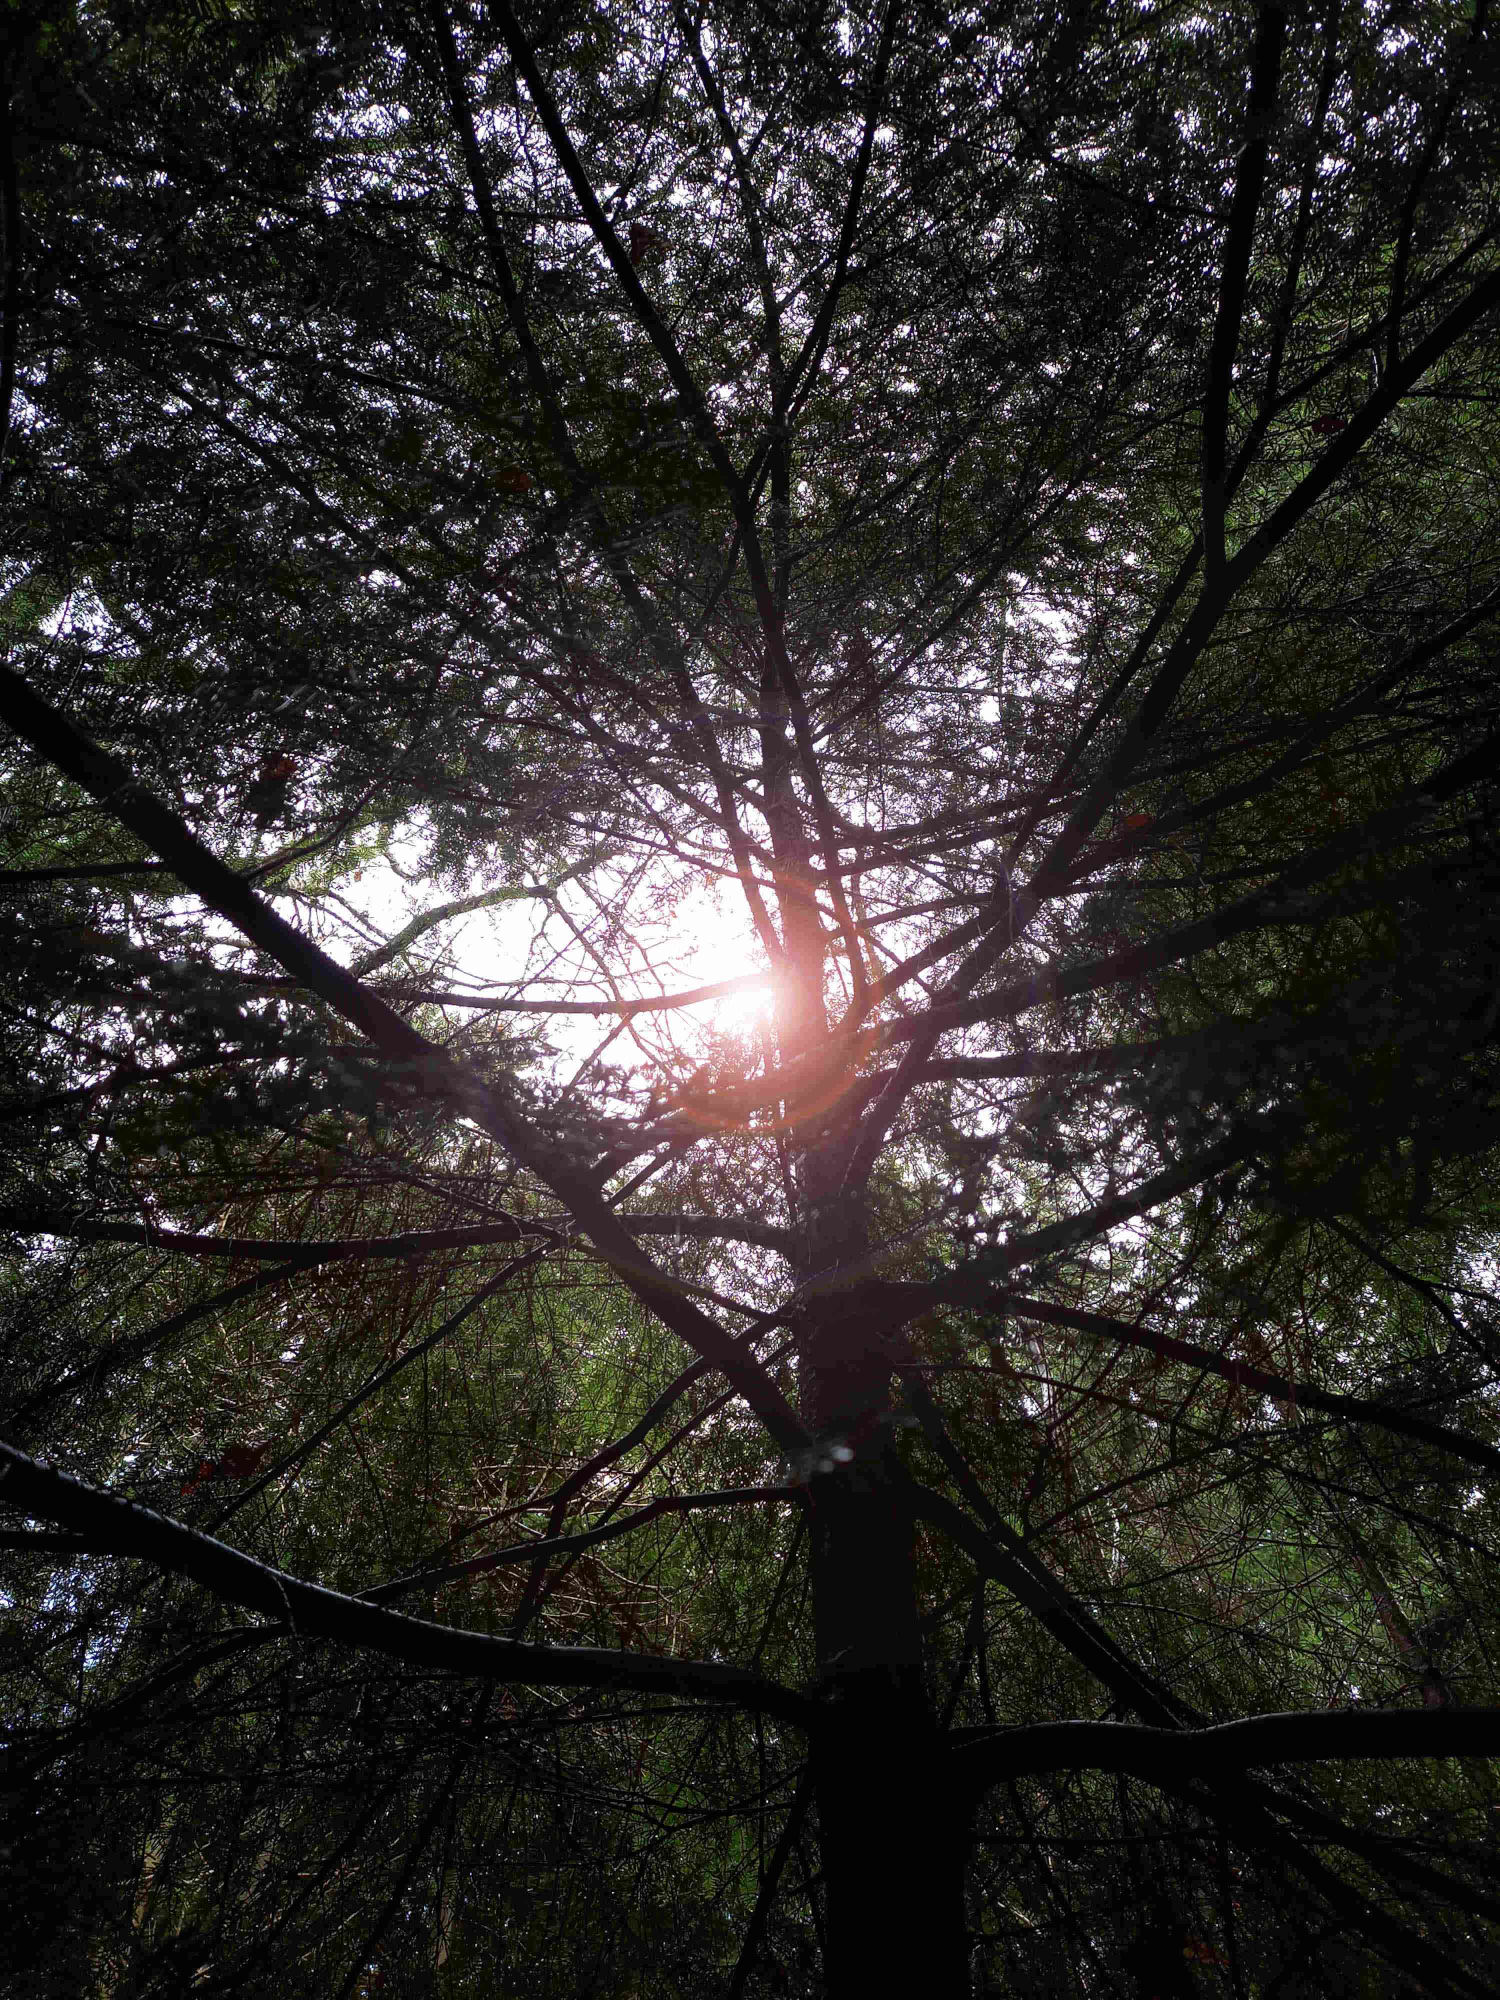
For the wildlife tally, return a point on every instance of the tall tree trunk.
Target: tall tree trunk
(893, 1829)
(893, 1826)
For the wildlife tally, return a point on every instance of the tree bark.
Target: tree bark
(892, 1825)
(892, 1828)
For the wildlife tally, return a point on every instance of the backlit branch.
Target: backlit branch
(108, 780)
(111, 1525)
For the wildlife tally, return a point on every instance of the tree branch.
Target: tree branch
(110, 781)
(686, 384)
(627, 1009)
(117, 1526)
(1186, 1757)
(584, 494)
(1265, 71)
(1240, 1375)
(580, 1539)
(293, 1256)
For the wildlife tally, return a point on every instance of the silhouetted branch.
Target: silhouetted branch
(115, 1526)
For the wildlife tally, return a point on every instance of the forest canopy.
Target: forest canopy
(749, 1039)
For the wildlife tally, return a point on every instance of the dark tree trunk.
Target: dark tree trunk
(892, 1824)
(892, 1827)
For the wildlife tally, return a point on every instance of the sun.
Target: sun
(745, 1012)
(716, 940)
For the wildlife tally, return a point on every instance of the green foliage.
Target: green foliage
(501, 553)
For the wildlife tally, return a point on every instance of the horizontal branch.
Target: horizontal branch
(266, 1250)
(1249, 1807)
(1186, 1757)
(25, 878)
(574, 1544)
(714, 1229)
(116, 1526)
(483, 1003)
(405, 1244)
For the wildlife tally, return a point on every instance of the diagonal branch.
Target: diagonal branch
(117, 1526)
(131, 1348)
(997, 1552)
(1013, 910)
(805, 368)
(110, 781)
(754, 1931)
(485, 899)
(1283, 900)
(625, 1009)
(1421, 172)
(10, 286)
(1240, 1375)
(291, 1462)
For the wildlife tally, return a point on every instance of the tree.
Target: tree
(991, 519)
